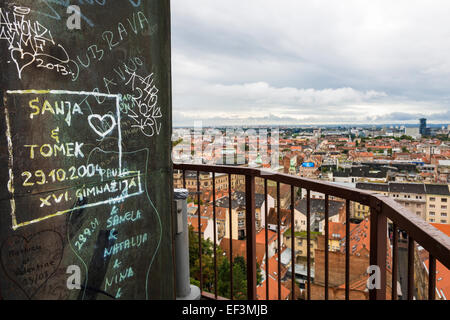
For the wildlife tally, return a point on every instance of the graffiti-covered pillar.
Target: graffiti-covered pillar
(85, 122)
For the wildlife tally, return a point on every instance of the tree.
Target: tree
(223, 269)
(177, 142)
(207, 260)
(405, 137)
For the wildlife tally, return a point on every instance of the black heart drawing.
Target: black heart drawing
(31, 262)
(22, 59)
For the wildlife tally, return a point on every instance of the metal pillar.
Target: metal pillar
(185, 291)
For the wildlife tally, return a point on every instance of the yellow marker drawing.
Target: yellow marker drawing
(55, 134)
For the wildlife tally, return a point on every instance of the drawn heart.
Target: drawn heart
(21, 59)
(31, 262)
(100, 125)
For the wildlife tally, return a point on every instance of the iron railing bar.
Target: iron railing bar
(394, 261)
(410, 268)
(199, 231)
(293, 242)
(250, 236)
(378, 249)
(308, 243)
(267, 240)
(431, 278)
(184, 179)
(231, 235)
(210, 296)
(279, 241)
(327, 236)
(214, 232)
(347, 250)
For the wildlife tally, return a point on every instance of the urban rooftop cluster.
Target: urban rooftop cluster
(409, 164)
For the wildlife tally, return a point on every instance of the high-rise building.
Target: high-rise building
(423, 126)
(413, 132)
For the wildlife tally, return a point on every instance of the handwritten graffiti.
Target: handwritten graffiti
(136, 24)
(30, 262)
(143, 104)
(74, 181)
(30, 43)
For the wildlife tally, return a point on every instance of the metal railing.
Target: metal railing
(382, 208)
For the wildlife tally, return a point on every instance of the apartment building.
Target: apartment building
(443, 171)
(438, 203)
(359, 211)
(411, 195)
(301, 244)
(336, 210)
(429, 201)
(205, 178)
(238, 213)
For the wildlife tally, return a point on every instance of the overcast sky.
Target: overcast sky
(310, 62)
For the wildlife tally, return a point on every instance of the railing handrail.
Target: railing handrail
(430, 238)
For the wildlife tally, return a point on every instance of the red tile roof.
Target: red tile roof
(240, 249)
(273, 267)
(273, 290)
(261, 237)
(445, 228)
(442, 280)
(442, 273)
(193, 221)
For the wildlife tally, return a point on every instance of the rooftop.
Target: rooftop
(417, 188)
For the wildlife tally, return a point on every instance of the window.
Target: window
(431, 220)
(444, 207)
(418, 213)
(418, 205)
(443, 221)
(432, 199)
(432, 213)
(432, 206)
(443, 199)
(443, 214)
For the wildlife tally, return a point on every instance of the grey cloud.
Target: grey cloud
(315, 58)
